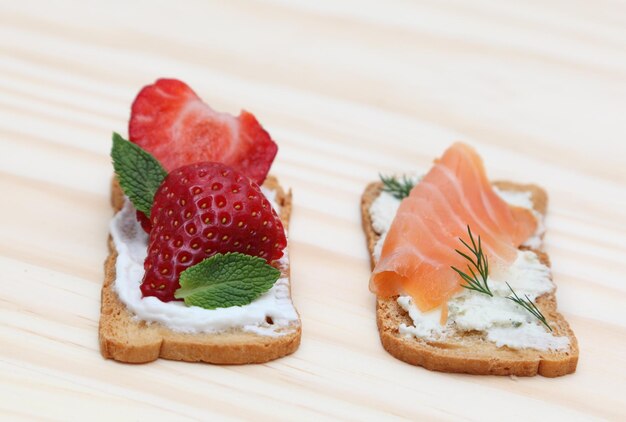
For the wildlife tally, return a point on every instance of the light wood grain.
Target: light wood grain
(348, 89)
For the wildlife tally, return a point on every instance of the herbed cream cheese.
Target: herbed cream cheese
(131, 243)
(382, 212)
(501, 320)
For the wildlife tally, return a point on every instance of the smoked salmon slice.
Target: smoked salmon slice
(419, 248)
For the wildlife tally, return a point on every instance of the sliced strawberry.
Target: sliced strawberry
(203, 209)
(171, 122)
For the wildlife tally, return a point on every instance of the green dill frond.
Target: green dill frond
(399, 188)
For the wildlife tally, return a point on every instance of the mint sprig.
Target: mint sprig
(224, 280)
(139, 173)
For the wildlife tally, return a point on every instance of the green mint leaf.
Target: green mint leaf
(225, 280)
(139, 173)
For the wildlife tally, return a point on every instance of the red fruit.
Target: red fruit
(200, 210)
(171, 122)
(146, 225)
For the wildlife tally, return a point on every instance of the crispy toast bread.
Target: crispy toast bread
(126, 339)
(468, 352)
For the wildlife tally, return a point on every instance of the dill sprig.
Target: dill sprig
(399, 188)
(529, 306)
(478, 262)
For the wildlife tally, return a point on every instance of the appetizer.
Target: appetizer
(198, 268)
(462, 284)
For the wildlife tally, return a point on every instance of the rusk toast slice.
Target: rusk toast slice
(126, 339)
(468, 352)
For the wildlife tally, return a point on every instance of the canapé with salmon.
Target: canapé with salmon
(461, 280)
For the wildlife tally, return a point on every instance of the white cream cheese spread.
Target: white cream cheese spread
(382, 212)
(501, 320)
(131, 243)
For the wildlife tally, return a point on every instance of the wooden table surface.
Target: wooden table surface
(348, 89)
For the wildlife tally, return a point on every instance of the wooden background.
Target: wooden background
(348, 89)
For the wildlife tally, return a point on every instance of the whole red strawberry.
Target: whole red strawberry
(172, 123)
(203, 209)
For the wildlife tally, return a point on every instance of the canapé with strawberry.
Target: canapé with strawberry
(198, 267)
